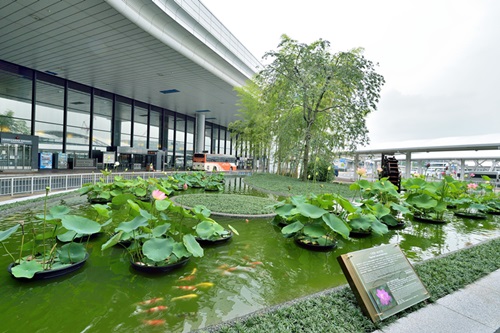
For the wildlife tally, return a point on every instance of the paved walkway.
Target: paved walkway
(474, 309)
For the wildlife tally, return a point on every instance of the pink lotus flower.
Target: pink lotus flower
(384, 297)
(472, 175)
(185, 186)
(159, 195)
(472, 186)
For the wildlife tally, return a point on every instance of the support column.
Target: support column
(200, 133)
(462, 169)
(408, 165)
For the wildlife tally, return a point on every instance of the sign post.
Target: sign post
(383, 280)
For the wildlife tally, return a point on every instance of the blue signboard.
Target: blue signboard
(45, 160)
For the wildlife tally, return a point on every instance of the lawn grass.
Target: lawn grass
(228, 203)
(287, 186)
(336, 310)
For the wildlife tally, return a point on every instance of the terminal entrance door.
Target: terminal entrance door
(15, 156)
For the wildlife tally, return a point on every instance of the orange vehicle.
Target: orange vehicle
(213, 162)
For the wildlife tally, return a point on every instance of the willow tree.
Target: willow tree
(255, 125)
(334, 92)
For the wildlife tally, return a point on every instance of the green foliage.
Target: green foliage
(228, 203)
(321, 170)
(327, 96)
(288, 186)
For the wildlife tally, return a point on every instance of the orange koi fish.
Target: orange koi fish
(185, 297)
(151, 301)
(187, 278)
(156, 309)
(190, 277)
(204, 285)
(154, 322)
(185, 287)
(255, 263)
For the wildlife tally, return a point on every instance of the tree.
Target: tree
(9, 124)
(334, 93)
(255, 126)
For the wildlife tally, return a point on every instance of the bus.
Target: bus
(213, 162)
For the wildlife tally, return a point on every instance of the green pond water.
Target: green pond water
(257, 269)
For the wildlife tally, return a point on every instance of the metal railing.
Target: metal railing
(10, 186)
(18, 185)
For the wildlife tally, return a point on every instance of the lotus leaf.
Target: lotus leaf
(205, 229)
(361, 222)
(162, 205)
(311, 211)
(71, 253)
(80, 224)
(6, 233)
(192, 245)
(130, 226)
(180, 251)
(27, 269)
(68, 236)
(140, 192)
(286, 210)
(158, 249)
(423, 201)
(337, 225)
(112, 241)
(380, 210)
(160, 230)
(390, 220)
(314, 230)
(292, 228)
(102, 210)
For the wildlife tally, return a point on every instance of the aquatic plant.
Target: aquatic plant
(44, 252)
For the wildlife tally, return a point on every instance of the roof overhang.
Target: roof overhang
(133, 48)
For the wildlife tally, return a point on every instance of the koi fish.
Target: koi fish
(156, 309)
(151, 301)
(255, 263)
(185, 297)
(190, 277)
(187, 278)
(154, 322)
(204, 285)
(185, 287)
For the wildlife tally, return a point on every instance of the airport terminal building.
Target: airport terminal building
(133, 81)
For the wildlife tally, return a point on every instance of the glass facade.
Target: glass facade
(140, 126)
(77, 119)
(49, 116)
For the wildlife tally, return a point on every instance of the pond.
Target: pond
(257, 269)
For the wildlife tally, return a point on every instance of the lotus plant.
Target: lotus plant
(44, 252)
(156, 232)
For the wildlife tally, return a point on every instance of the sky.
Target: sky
(440, 58)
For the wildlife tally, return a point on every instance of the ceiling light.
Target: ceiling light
(169, 91)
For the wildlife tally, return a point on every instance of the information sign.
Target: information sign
(108, 158)
(383, 280)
